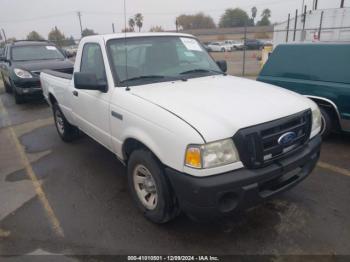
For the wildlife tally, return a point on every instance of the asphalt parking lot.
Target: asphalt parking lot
(70, 199)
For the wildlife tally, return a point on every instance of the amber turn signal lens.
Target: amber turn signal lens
(193, 157)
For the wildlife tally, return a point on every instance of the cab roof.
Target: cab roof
(132, 35)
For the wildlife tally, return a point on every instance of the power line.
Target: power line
(36, 18)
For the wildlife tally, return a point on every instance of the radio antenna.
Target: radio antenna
(126, 48)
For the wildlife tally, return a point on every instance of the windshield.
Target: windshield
(141, 60)
(37, 52)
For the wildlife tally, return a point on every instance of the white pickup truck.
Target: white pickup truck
(193, 138)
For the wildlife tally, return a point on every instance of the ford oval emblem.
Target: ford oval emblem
(287, 138)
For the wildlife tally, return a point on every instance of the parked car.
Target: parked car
(71, 50)
(318, 71)
(22, 62)
(193, 138)
(253, 44)
(219, 47)
(235, 45)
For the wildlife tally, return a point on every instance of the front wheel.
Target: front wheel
(150, 188)
(66, 131)
(19, 99)
(8, 88)
(327, 123)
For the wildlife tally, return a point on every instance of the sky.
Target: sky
(19, 17)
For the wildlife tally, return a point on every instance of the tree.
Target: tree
(254, 12)
(87, 32)
(156, 28)
(127, 30)
(57, 36)
(34, 36)
(132, 24)
(70, 41)
(197, 21)
(234, 18)
(265, 18)
(139, 20)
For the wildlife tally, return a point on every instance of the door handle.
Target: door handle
(75, 93)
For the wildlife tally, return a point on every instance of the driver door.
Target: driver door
(91, 107)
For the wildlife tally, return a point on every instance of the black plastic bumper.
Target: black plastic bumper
(230, 192)
(28, 87)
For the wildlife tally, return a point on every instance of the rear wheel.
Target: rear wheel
(150, 188)
(222, 49)
(327, 123)
(66, 131)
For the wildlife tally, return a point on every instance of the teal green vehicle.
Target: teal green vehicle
(318, 71)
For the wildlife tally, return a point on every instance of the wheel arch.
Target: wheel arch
(52, 99)
(132, 143)
(327, 104)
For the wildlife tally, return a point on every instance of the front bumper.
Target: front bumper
(28, 87)
(224, 194)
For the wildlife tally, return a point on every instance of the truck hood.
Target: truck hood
(218, 106)
(39, 65)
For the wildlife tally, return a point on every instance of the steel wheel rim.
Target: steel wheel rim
(145, 187)
(59, 122)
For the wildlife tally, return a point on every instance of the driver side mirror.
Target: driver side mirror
(89, 81)
(223, 65)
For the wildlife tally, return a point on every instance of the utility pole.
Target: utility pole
(113, 28)
(302, 6)
(177, 25)
(342, 4)
(244, 48)
(3, 32)
(81, 27)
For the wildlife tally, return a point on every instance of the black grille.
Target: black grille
(258, 145)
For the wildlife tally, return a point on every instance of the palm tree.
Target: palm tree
(266, 13)
(139, 20)
(254, 12)
(132, 24)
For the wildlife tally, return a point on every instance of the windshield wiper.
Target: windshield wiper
(200, 71)
(143, 77)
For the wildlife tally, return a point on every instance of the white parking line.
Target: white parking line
(31, 174)
(333, 168)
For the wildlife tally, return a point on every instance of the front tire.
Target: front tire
(150, 188)
(327, 123)
(66, 131)
(19, 99)
(8, 88)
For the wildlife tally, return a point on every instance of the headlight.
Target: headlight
(22, 73)
(316, 122)
(212, 154)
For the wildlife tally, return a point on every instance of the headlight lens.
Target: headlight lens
(212, 154)
(316, 121)
(22, 73)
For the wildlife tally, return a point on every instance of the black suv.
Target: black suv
(22, 62)
(253, 44)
